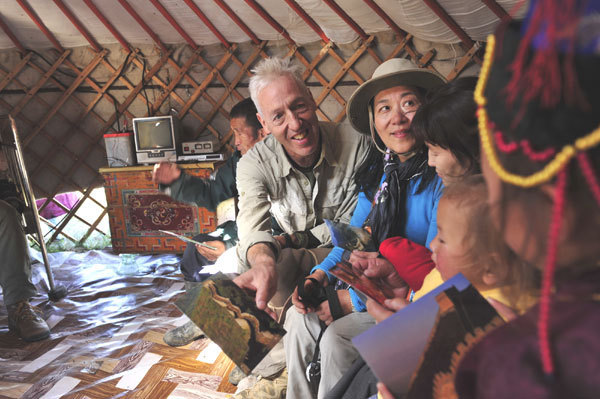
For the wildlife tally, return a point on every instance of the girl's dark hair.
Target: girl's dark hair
(448, 120)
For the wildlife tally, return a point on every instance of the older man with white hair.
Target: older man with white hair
(300, 175)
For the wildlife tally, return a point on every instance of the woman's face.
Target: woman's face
(445, 163)
(393, 111)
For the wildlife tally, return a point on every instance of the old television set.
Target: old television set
(156, 139)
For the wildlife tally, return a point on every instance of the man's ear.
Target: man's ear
(262, 133)
(262, 122)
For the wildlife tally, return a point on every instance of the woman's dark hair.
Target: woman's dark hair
(369, 172)
(448, 120)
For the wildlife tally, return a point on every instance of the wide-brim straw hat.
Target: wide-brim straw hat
(391, 73)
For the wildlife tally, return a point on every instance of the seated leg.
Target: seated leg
(337, 351)
(15, 278)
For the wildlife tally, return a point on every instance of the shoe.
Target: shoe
(266, 388)
(26, 321)
(236, 375)
(183, 335)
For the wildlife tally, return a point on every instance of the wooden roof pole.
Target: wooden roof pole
(355, 27)
(346, 18)
(143, 24)
(307, 18)
(447, 19)
(12, 37)
(386, 18)
(497, 9)
(78, 25)
(207, 22)
(270, 20)
(174, 24)
(108, 25)
(29, 11)
(238, 21)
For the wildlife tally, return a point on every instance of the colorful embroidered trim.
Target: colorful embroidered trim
(552, 168)
(506, 147)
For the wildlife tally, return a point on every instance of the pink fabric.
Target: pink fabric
(69, 200)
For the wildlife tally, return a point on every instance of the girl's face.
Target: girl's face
(511, 218)
(445, 163)
(448, 246)
(393, 111)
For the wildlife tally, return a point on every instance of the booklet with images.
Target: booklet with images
(229, 317)
(415, 351)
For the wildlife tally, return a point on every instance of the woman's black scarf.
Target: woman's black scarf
(388, 215)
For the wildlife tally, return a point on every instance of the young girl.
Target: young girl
(467, 243)
(448, 125)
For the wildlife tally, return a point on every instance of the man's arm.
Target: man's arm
(207, 193)
(254, 217)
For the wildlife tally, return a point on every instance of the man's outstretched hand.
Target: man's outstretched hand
(262, 276)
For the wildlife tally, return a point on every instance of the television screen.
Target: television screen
(154, 133)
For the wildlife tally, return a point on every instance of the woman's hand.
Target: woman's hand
(318, 275)
(380, 312)
(324, 311)
(381, 269)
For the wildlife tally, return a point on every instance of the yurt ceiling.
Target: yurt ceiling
(420, 18)
(74, 70)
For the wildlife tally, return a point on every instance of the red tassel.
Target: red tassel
(543, 75)
(548, 276)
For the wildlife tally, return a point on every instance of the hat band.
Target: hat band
(485, 130)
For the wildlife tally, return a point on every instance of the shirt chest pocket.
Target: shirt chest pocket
(331, 198)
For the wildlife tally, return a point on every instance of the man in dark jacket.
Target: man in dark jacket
(209, 193)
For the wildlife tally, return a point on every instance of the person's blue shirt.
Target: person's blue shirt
(421, 223)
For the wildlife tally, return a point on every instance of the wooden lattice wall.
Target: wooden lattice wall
(65, 100)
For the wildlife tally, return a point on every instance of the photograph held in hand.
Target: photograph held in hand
(375, 289)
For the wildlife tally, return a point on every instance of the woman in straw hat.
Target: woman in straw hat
(398, 196)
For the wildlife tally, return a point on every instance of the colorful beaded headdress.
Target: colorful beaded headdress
(538, 97)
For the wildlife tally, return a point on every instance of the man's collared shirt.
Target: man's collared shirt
(268, 185)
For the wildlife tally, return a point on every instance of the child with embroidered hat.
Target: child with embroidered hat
(539, 97)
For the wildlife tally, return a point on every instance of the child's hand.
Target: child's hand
(380, 312)
(384, 393)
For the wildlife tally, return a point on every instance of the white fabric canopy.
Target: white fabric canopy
(411, 15)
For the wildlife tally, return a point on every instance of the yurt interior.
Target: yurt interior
(74, 77)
